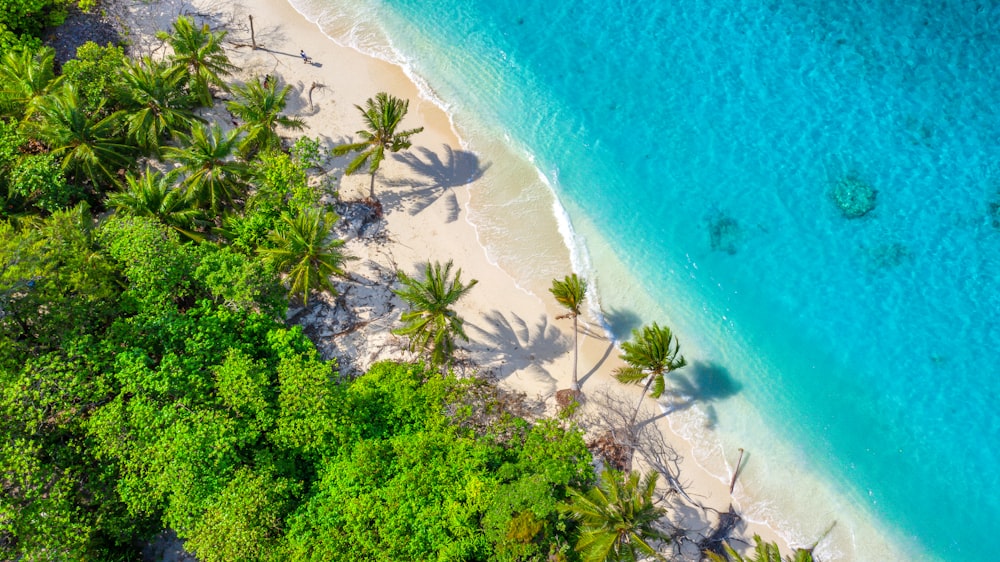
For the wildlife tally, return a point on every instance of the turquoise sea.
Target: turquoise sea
(693, 147)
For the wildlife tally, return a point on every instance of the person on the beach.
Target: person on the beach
(305, 59)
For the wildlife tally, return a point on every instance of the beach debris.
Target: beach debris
(853, 196)
(253, 36)
(736, 472)
(312, 87)
(611, 449)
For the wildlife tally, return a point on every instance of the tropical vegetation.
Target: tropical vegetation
(431, 323)
(302, 249)
(651, 353)
(382, 116)
(570, 294)
(618, 518)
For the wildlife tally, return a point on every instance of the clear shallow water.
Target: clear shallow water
(694, 148)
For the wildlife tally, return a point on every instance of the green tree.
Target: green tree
(382, 115)
(96, 72)
(156, 105)
(155, 266)
(238, 281)
(303, 250)
(38, 180)
(430, 322)
(89, 148)
(650, 354)
(198, 53)
(23, 21)
(153, 195)
(570, 293)
(26, 76)
(211, 174)
(54, 282)
(259, 106)
(617, 518)
(244, 521)
(763, 552)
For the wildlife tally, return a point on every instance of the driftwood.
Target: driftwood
(736, 472)
(311, 88)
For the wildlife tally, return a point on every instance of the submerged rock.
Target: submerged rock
(724, 233)
(854, 197)
(887, 255)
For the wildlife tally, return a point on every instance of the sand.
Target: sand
(426, 191)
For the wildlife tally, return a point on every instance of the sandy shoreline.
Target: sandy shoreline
(426, 193)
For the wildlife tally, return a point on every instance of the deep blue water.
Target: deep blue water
(702, 140)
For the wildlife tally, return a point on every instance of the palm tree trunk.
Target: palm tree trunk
(576, 350)
(371, 193)
(645, 389)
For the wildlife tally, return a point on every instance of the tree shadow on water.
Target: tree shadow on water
(704, 382)
(436, 176)
(622, 322)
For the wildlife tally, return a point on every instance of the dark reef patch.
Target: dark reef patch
(853, 196)
(886, 255)
(724, 233)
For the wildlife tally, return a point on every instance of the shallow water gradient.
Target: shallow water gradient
(701, 141)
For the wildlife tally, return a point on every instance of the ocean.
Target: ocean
(688, 154)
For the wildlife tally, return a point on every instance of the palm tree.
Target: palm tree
(260, 107)
(198, 53)
(570, 293)
(157, 104)
(211, 175)
(763, 552)
(153, 195)
(91, 149)
(650, 354)
(302, 251)
(430, 323)
(25, 77)
(381, 115)
(617, 518)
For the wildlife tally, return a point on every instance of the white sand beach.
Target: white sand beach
(426, 193)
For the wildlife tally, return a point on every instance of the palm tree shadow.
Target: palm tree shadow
(596, 367)
(510, 344)
(702, 381)
(621, 322)
(435, 178)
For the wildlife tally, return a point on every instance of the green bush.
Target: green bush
(97, 74)
(39, 181)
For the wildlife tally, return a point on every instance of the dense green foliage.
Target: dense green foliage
(185, 407)
(97, 73)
